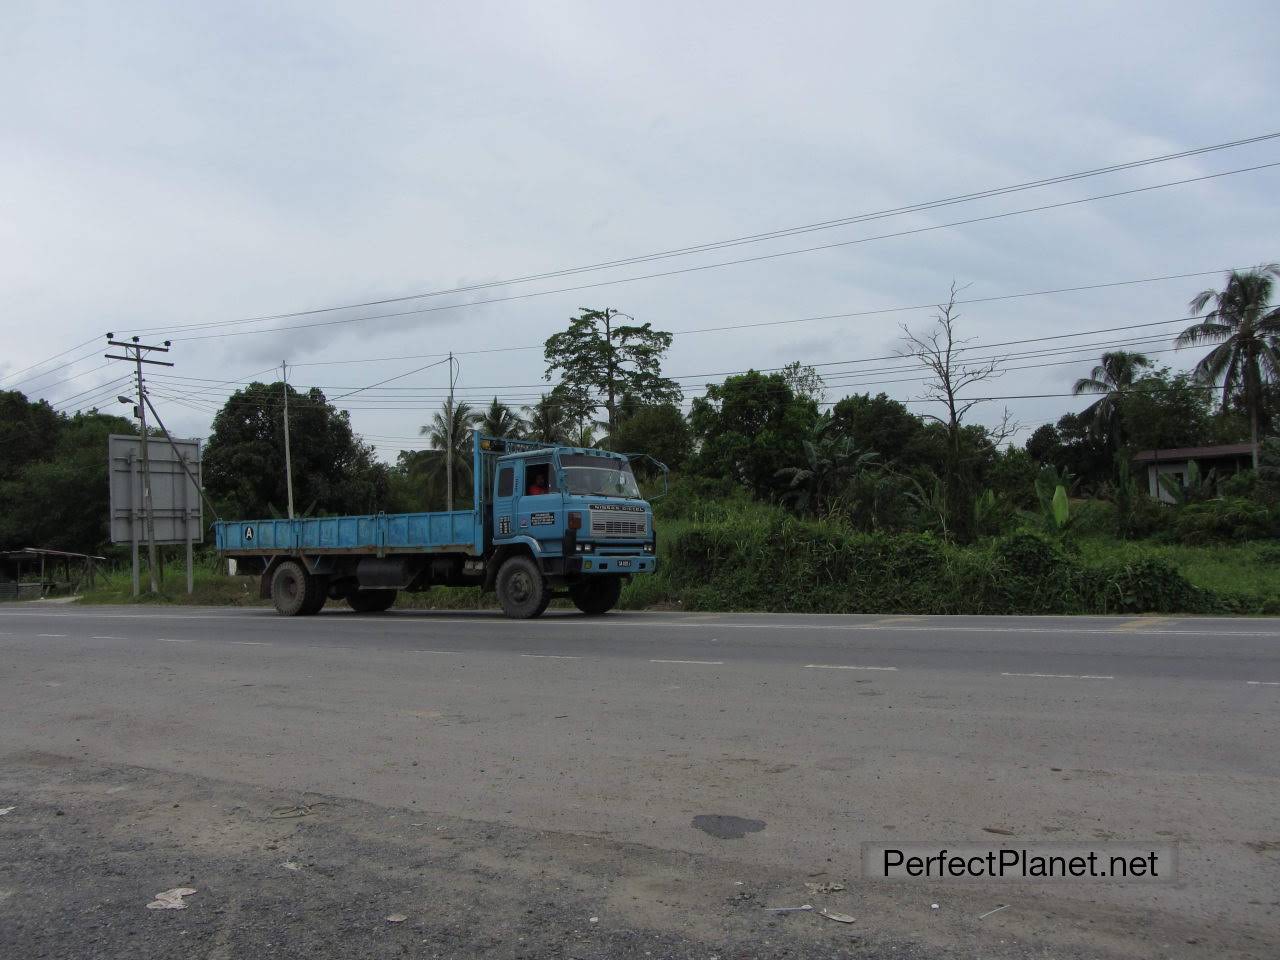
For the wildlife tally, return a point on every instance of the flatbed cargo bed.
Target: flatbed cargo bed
(456, 531)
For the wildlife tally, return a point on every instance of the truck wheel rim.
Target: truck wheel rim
(521, 587)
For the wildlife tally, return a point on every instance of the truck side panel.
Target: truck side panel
(452, 532)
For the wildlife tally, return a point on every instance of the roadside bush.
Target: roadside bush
(1232, 519)
(1146, 585)
(790, 565)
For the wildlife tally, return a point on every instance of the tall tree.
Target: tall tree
(600, 360)
(1246, 328)
(333, 471)
(1113, 378)
(940, 352)
(499, 420)
(748, 428)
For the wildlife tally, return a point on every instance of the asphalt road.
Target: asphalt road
(830, 730)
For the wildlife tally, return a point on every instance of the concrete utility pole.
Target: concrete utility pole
(134, 352)
(448, 447)
(288, 462)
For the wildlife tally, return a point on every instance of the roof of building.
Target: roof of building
(1218, 451)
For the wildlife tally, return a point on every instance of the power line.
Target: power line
(724, 263)
(41, 363)
(827, 316)
(477, 391)
(750, 238)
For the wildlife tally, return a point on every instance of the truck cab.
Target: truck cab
(573, 512)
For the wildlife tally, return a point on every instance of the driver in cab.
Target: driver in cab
(537, 481)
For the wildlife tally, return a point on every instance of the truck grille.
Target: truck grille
(600, 527)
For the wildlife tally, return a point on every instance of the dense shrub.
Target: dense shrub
(785, 564)
(1231, 519)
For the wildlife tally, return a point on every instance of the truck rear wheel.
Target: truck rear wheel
(291, 587)
(522, 589)
(596, 594)
(317, 593)
(371, 601)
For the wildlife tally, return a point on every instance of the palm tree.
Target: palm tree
(499, 421)
(1112, 378)
(449, 431)
(545, 420)
(1246, 329)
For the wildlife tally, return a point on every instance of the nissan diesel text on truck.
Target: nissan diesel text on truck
(546, 521)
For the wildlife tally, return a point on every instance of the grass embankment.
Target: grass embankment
(739, 555)
(211, 588)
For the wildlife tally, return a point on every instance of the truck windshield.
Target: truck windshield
(599, 476)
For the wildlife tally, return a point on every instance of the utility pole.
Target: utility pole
(288, 462)
(135, 352)
(448, 453)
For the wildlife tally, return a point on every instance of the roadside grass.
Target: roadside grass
(211, 588)
(1229, 569)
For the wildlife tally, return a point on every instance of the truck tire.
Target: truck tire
(317, 593)
(371, 601)
(596, 595)
(291, 587)
(522, 589)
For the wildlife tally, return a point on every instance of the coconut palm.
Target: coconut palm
(1246, 328)
(499, 421)
(450, 429)
(1112, 378)
(545, 420)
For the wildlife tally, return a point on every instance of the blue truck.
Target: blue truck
(546, 521)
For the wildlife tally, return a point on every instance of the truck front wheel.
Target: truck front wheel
(291, 589)
(522, 589)
(596, 594)
(371, 601)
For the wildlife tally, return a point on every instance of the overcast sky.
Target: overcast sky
(167, 164)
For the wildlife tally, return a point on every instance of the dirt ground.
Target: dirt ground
(86, 847)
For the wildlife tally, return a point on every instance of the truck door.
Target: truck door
(538, 509)
(504, 490)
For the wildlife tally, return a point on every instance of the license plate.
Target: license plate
(624, 563)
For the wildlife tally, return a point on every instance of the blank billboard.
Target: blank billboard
(175, 501)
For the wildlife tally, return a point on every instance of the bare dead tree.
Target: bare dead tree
(940, 352)
(1004, 431)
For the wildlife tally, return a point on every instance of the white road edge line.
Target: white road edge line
(841, 666)
(1263, 683)
(549, 656)
(1060, 676)
(705, 663)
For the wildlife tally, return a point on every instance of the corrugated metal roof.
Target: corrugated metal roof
(1195, 453)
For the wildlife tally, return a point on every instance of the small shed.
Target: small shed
(1226, 458)
(76, 568)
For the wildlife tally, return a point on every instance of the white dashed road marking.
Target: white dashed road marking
(707, 663)
(50, 634)
(548, 656)
(173, 640)
(1263, 683)
(251, 643)
(108, 638)
(1059, 676)
(842, 666)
